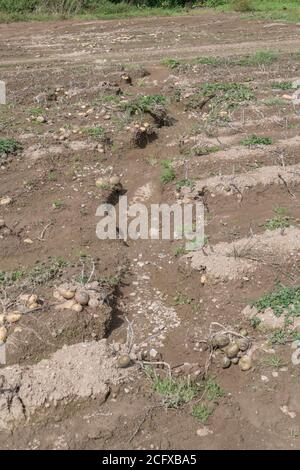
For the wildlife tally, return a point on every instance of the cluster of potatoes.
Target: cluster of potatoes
(26, 303)
(141, 132)
(234, 351)
(76, 297)
(112, 183)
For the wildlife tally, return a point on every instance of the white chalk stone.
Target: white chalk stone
(2, 92)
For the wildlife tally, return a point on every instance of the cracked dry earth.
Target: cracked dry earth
(61, 387)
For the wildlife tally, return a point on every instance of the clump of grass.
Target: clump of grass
(274, 361)
(282, 85)
(57, 204)
(9, 146)
(143, 104)
(182, 299)
(274, 102)
(7, 278)
(185, 183)
(172, 63)
(220, 95)
(45, 272)
(214, 61)
(202, 412)
(255, 322)
(212, 390)
(178, 251)
(52, 175)
(96, 132)
(282, 300)
(110, 99)
(175, 393)
(281, 220)
(258, 58)
(167, 172)
(279, 337)
(39, 274)
(256, 140)
(35, 111)
(204, 150)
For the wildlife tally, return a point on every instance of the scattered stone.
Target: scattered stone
(28, 241)
(235, 360)
(264, 378)
(203, 432)
(2, 223)
(286, 411)
(153, 353)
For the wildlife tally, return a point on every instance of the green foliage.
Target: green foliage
(214, 61)
(255, 322)
(9, 146)
(39, 274)
(96, 132)
(258, 58)
(172, 63)
(256, 140)
(275, 102)
(175, 393)
(278, 337)
(143, 104)
(226, 95)
(167, 173)
(35, 111)
(212, 390)
(202, 412)
(274, 361)
(199, 151)
(182, 299)
(282, 300)
(185, 182)
(281, 220)
(282, 85)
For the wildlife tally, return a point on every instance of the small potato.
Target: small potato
(77, 308)
(3, 334)
(245, 363)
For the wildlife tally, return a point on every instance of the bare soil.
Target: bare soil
(72, 74)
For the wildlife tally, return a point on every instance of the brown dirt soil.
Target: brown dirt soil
(66, 105)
